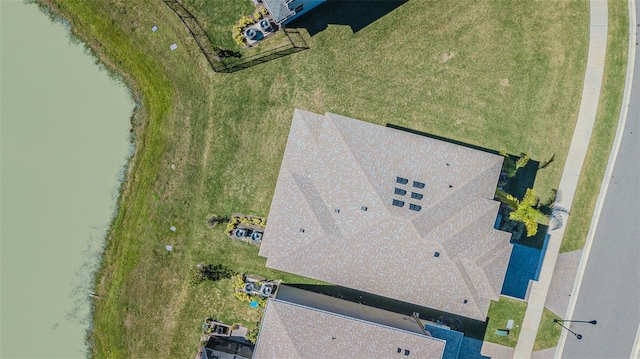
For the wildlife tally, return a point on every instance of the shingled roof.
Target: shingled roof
(388, 212)
(278, 9)
(295, 331)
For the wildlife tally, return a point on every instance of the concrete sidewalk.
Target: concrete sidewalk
(573, 166)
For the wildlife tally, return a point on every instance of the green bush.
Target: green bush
(234, 222)
(209, 272)
(252, 335)
(246, 21)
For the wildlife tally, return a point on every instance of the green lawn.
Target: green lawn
(506, 308)
(548, 332)
(499, 313)
(492, 74)
(604, 129)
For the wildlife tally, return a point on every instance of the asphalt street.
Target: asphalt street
(610, 290)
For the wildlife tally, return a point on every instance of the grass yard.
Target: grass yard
(499, 313)
(493, 74)
(218, 18)
(604, 129)
(506, 308)
(548, 332)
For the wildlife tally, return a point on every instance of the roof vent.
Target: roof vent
(399, 350)
(417, 184)
(465, 301)
(448, 164)
(399, 191)
(301, 230)
(436, 254)
(364, 208)
(450, 186)
(406, 352)
(336, 210)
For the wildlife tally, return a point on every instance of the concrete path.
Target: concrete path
(496, 351)
(573, 166)
(608, 284)
(544, 354)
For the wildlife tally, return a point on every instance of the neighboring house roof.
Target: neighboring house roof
(295, 331)
(223, 348)
(333, 216)
(278, 9)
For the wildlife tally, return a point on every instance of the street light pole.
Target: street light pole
(578, 336)
(594, 322)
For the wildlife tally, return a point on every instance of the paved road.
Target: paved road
(610, 290)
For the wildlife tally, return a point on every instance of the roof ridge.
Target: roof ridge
(306, 194)
(482, 210)
(494, 252)
(457, 189)
(465, 277)
(288, 334)
(328, 115)
(481, 276)
(312, 121)
(281, 254)
(490, 259)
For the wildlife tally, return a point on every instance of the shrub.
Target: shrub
(252, 336)
(210, 272)
(257, 15)
(522, 161)
(248, 221)
(510, 167)
(264, 11)
(238, 282)
(243, 297)
(246, 21)
(229, 229)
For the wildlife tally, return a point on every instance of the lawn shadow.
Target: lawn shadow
(357, 14)
(470, 327)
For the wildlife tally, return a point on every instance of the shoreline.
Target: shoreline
(137, 125)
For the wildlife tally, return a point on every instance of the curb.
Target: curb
(591, 93)
(607, 175)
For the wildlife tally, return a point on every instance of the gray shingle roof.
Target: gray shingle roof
(294, 331)
(333, 166)
(278, 9)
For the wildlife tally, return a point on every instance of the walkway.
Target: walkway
(572, 168)
(608, 285)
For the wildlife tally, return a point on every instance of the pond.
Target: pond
(65, 142)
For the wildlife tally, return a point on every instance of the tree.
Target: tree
(525, 210)
(511, 167)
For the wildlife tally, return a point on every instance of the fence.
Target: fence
(296, 44)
